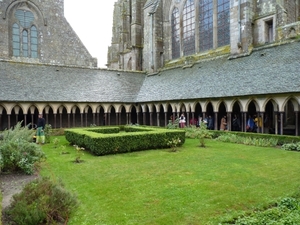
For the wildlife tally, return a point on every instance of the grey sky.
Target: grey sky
(92, 21)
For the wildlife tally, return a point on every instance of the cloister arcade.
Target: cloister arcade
(282, 112)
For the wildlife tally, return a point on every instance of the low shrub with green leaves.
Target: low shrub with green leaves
(234, 138)
(286, 211)
(200, 133)
(42, 201)
(291, 146)
(48, 133)
(18, 152)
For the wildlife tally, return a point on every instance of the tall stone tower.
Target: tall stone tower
(36, 31)
(125, 51)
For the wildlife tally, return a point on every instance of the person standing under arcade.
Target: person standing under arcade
(40, 134)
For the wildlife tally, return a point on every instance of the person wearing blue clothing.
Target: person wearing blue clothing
(40, 134)
(250, 124)
(210, 123)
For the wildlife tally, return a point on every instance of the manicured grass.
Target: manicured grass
(192, 186)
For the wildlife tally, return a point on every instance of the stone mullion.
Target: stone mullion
(215, 24)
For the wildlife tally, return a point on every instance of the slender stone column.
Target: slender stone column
(216, 120)
(151, 122)
(81, 119)
(296, 124)
(55, 121)
(69, 119)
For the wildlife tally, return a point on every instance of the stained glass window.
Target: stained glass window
(25, 18)
(25, 43)
(16, 40)
(33, 42)
(205, 24)
(223, 22)
(175, 33)
(24, 35)
(189, 28)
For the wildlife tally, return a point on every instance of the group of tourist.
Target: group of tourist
(254, 123)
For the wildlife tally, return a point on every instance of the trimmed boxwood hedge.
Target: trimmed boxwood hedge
(112, 140)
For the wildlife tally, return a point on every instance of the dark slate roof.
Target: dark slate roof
(271, 70)
(33, 82)
(265, 71)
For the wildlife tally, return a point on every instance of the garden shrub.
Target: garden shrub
(48, 133)
(285, 211)
(291, 146)
(103, 143)
(42, 201)
(248, 140)
(17, 151)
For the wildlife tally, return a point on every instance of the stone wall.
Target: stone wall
(57, 42)
(252, 23)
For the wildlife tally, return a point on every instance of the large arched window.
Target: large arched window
(189, 28)
(223, 22)
(175, 34)
(24, 35)
(212, 29)
(205, 24)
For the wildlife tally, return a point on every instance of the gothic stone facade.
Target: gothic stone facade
(154, 34)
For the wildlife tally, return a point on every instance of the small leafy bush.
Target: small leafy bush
(17, 151)
(42, 201)
(233, 138)
(48, 133)
(173, 124)
(174, 143)
(291, 146)
(285, 212)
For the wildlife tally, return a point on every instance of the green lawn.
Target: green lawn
(189, 187)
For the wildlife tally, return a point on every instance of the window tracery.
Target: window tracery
(189, 28)
(212, 29)
(205, 25)
(24, 35)
(223, 22)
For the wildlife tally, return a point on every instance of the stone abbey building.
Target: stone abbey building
(167, 57)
